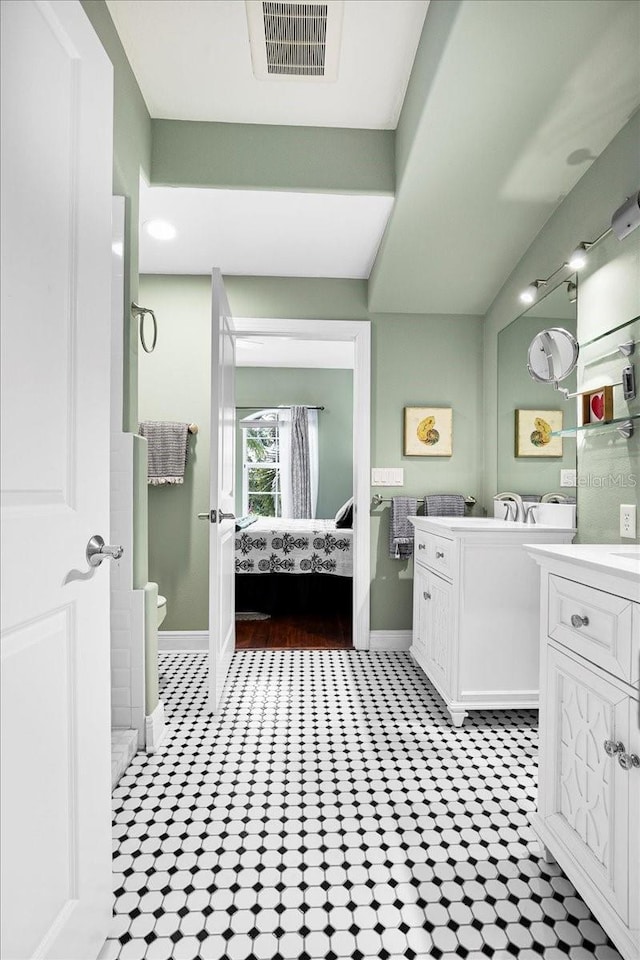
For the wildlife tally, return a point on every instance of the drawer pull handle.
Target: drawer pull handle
(612, 747)
(578, 621)
(421, 546)
(439, 554)
(426, 595)
(628, 760)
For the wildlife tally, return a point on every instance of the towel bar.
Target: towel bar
(377, 500)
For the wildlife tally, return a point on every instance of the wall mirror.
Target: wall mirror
(530, 456)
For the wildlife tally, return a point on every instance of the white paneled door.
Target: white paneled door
(222, 624)
(56, 146)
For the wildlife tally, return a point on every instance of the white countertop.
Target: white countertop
(616, 558)
(454, 525)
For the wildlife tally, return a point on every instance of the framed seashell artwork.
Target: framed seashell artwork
(428, 432)
(534, 433)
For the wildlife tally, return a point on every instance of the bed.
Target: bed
(274, 545)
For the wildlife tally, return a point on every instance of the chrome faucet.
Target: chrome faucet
(514, 505)
(530, 513)
(554, 498)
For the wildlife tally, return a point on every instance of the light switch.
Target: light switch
(387, 477)
(567, 478)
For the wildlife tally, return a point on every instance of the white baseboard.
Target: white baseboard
(390, 639)
(155, 728)
(183, 639)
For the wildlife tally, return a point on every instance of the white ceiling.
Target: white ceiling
(257, 233)
(192, 61)
(290, 352)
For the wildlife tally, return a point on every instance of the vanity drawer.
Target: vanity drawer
(436, 552)
(594, 624)
(441, 553)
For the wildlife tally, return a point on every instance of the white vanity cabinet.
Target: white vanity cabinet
(588, 816)
(476, 609)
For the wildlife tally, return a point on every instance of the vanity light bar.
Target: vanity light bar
(624, 220)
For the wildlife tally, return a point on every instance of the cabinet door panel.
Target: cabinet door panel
(439, 629)
(420, 590)
(584, 794)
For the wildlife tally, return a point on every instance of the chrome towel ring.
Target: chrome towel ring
(140, 313)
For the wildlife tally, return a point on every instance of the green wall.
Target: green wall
(416, 359)
(583, 215)
(175, 385)
(131, 154)
(260, 387)
(609, 466)
(254, 156)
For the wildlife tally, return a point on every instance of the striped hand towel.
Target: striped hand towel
(444, 505)
(168, 445)
(400, 530)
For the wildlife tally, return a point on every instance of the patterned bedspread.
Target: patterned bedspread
(294, 546)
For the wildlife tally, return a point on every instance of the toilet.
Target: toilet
(162, 609)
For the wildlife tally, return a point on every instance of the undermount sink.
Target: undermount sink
(631, 553)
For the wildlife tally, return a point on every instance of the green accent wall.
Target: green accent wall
(175, 385)
(254, 156)
(609, 466)
(583, 215)
(131, 154)
(416, 359)
(261, 387)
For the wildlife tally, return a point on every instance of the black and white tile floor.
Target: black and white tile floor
(331, 811)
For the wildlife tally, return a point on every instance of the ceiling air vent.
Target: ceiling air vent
(294, 40)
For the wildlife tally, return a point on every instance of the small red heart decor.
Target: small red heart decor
(597, 406)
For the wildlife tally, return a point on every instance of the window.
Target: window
(261, 476)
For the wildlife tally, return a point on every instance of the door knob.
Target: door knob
(216, 517)
(629, 760)
(578, 621)
(98, 550)
(612, 747)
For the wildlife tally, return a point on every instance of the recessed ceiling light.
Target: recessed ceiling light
(160, 229)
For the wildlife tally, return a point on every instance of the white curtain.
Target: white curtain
(299, 462)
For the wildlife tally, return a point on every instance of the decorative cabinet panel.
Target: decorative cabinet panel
(588, 816)
(585, 801)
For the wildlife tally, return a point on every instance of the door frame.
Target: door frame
(358, 333)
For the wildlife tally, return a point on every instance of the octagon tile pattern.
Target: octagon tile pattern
(331, 811)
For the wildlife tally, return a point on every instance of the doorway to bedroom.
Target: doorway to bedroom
(175, 386)
(294, 493)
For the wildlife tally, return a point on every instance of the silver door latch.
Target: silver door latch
(98, 550)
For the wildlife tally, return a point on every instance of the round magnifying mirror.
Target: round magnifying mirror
(553, 355)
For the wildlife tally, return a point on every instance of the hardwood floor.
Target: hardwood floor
(312, 631)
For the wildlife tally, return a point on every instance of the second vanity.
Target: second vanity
(476, 610)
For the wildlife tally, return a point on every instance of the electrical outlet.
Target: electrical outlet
(567, 478)
(628, 520)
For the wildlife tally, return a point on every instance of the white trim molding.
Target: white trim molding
(357, 332)
(155, 728)
(390, 639)
(183, 640)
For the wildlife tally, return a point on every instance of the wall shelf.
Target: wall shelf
(624, 426)
(608, 333)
